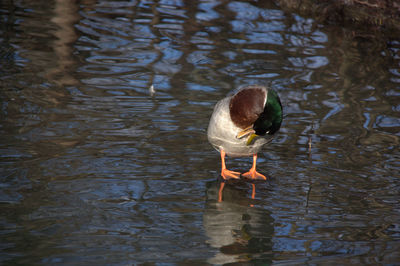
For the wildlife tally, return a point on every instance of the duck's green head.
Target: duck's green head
(270, 119)
(257, 110)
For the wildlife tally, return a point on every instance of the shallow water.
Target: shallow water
(96, 170)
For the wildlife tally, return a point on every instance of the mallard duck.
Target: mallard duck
(242, 123)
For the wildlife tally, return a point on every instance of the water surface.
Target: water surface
(95, 170)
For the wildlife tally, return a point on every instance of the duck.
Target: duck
(242, 123)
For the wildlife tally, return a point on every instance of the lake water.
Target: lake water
(95, 169)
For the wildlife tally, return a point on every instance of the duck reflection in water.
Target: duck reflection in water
(240, 231)
(221, 189)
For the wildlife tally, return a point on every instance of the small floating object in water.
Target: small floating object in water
(152, 91)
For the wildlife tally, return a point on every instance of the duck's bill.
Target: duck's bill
(251, 139)
(249, 133)
(245, 132)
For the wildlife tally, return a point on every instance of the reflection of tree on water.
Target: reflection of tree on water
(240, 231)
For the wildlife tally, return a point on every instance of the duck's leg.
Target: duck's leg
(225, 173)
(221, 188)
(252, 173)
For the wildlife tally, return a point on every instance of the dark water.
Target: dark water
(95, 170)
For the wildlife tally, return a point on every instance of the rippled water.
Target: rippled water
(95, 170)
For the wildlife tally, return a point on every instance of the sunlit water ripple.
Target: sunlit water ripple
(95, 170)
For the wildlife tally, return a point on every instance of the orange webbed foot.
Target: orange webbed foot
(253, 174)
(227, 174)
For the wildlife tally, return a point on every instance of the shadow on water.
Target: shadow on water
(95, 170)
